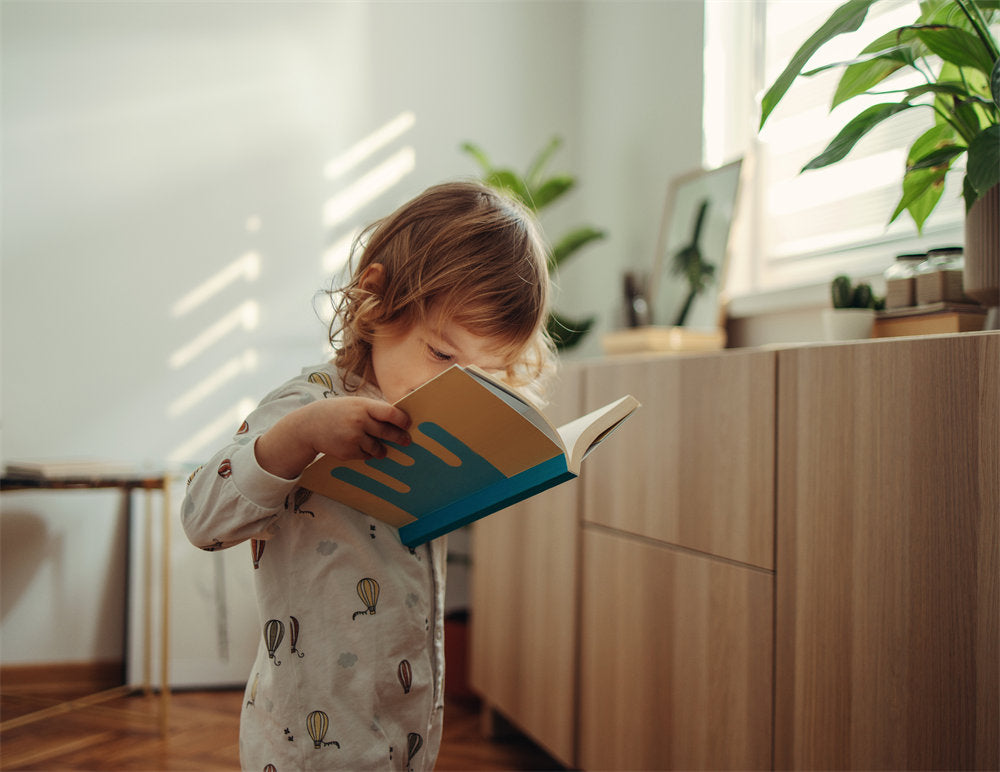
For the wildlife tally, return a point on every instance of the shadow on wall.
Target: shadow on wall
(26, 544)
(42, 586)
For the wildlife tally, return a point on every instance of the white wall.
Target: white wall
(148, 147)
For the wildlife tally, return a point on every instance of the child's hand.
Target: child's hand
(344, 427)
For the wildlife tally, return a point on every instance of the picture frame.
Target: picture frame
(701, 206)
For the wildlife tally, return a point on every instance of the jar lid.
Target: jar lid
(944, 251)
(911, 256)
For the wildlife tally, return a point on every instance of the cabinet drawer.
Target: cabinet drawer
(695, 466)
(675, 668)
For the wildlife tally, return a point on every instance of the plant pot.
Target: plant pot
(981, 279)
(848, 323)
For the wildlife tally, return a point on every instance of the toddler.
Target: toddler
(349, 671)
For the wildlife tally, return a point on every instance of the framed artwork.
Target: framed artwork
(692, 251)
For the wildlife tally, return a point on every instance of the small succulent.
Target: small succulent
(846, 294)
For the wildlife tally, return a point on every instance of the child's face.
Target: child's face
(404, 358)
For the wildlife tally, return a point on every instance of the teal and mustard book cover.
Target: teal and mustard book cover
(477, 447)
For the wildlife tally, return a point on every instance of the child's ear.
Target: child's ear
(373, 279)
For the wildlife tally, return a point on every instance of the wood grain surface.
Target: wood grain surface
(524, 603)
(695, 465)
(888, 589)
(676, 659)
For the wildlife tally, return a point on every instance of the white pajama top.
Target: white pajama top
(349, 671)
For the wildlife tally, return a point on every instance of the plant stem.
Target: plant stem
(953, 121)
(979, 25)
(682, 315)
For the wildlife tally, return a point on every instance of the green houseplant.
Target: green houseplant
(537, 190)
(845, 294)
(952, 48)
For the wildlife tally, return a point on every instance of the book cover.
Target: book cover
(477, 448)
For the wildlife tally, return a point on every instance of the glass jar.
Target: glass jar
(900, 280)
(939, 277)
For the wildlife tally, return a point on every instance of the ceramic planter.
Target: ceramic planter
(981, 278)
(848, 323)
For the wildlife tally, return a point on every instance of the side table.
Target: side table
(127, 484)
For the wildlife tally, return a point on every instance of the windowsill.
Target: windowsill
(791, 313)
(778, 301)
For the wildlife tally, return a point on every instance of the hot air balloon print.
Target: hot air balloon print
(405, 674)
(244, 428)
(368, 592)
(274, 631)
(270, 768)
(257, 549)
(293, 630)
(324, 380)
(226, 468)
(318, 723)
(296, 499)
(413, 744)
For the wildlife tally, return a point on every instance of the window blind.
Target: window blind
(805, 227)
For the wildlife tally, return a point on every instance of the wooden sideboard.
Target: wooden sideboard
(788, 558)
(888, 591)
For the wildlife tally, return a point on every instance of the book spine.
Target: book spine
(487, 501)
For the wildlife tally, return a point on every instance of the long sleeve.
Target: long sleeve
(231, 498)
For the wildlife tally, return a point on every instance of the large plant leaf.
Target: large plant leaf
(505, 179)
(967, 105)
(948, 88)
(573, 241)
(942, 135)
(922, 190)
(848, 137)
(847, 18)
(552, 189)
(940, 157)
(882, 57)
(982, 168)
(873, 52)
(924, 184)
(480, 157)
(956, 46)
(921, 205)
(533, 175)
(865, 74)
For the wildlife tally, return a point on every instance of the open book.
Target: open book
(477, 448)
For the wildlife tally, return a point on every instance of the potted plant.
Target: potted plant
(950, 45)
(537, 191)
(853, 311)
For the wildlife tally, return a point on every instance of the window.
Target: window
(801, 229)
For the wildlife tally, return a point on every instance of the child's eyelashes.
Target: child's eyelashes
(439, 355)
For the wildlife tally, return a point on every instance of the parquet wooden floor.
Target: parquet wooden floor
(122, 735)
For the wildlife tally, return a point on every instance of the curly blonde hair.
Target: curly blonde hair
(473, 255)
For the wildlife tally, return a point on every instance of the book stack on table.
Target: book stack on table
(663, 340)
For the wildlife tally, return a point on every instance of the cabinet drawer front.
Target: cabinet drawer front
(695, 466)
(675, 659)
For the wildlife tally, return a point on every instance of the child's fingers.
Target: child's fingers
(386, 413)
(387, 432)
(388, 424)
(371, 447)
